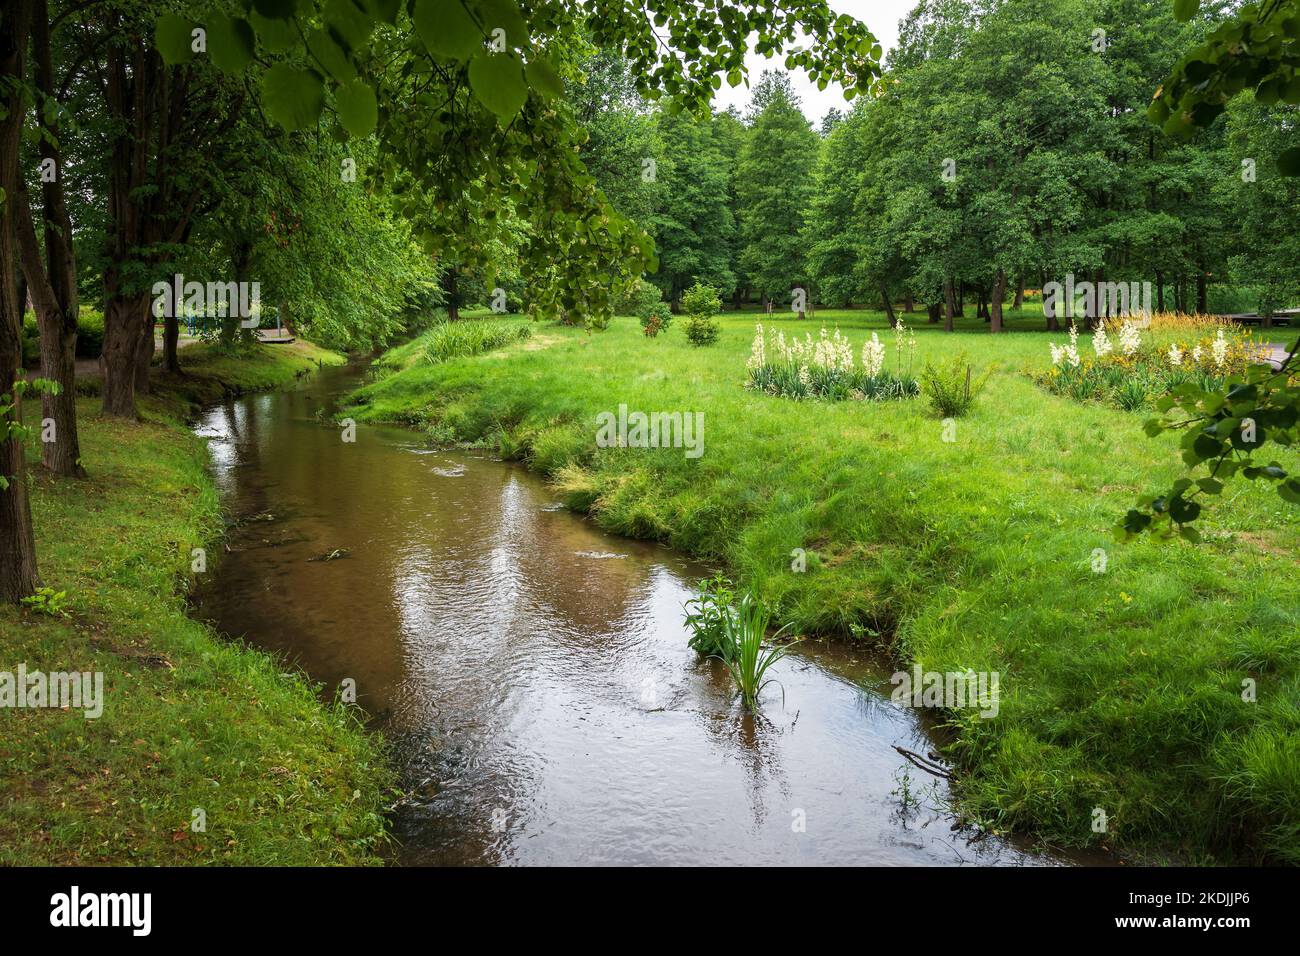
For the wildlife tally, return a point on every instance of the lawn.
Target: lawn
(191, 721)
(1120, 690)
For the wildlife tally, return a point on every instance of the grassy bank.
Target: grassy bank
(190, 721)
(1121, 690)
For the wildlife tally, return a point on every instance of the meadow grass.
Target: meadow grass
(190, 720)
(467, 336)
(1120, 690)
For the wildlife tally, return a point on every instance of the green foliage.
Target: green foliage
(1226, 432)
(951, 387)
(709, 614)
(694, 221)
(774, 183)
(49, 602)
(701, 304)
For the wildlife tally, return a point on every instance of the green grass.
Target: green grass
(1120, 690)
(466, 336)
(190, 720)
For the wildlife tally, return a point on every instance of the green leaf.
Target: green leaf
(275, 9)
(331, 56)
(1211, 486)
(1136, 521)
(357, 106)
(350, 23)
(293, 97)
(385, 10)
(1182, 510)
(497, 80)
(543, 78)
(230, 42)
(1184, 10)
(447, 29)
(172, 37)
(504, 14)
(277, 36)
(1290, 491)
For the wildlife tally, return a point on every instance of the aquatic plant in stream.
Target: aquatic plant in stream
(707, 615)
(746, 657)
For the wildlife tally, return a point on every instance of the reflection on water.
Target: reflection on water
(534, 672)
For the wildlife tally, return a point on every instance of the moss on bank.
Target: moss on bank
(191, 722)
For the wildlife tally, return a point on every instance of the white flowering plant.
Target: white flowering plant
(1131, 366)
(826, 367)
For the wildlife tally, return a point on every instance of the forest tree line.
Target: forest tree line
(1009, 147)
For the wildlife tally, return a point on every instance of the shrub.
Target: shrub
(643, 301)
(90, 333)
(701, 303)
(952, 386)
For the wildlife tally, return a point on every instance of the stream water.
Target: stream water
(532, 671)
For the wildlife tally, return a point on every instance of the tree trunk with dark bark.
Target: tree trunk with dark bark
(949, 304)
(52, 280)
(889, 307)
(995, 302)
(18, 577)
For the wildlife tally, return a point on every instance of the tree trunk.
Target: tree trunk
(121, 345)
(995, 321)
(53, 287)
(889, 307)
(171, 341)
(949, 304)
(995, 312)
(18, 577)
(909, 306)
(1202, 293)
(932, 312)
(1160, 291)
(1020, 293)
(453, 303)
(144, 355)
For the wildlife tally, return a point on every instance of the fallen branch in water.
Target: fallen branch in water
(924, 764)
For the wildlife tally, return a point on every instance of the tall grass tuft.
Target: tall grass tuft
(470, 337)
(745, 656)
(951, 386)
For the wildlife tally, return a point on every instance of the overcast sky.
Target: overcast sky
(881, 18)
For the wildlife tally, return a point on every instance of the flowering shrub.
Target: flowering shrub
(826, 367)
(1127, 369)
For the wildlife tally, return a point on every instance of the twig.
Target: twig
(922, 763)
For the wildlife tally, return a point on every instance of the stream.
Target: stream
(532, 672)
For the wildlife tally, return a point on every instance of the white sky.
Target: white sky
(881, 18)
